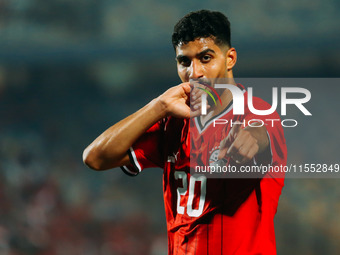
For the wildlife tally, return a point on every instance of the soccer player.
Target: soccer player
(205, 216)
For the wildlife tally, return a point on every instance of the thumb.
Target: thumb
(224, 146)
(186, 87)
(228, 141)
(235, 129)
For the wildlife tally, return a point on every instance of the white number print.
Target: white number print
(181, 191)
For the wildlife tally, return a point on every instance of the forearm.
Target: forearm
(110, 148)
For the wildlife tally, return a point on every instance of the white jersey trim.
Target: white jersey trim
(127, 170)
(214, 118)
(135, 161)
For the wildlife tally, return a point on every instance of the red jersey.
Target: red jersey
(211, 216)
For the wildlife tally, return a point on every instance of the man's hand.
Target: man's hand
(175, 101)
(241, 144)
(196, 101)
(110, 148)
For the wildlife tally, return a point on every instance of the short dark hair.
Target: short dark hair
(202, 24)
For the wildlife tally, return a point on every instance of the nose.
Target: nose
(195, 70)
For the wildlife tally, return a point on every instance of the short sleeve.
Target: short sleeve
(147, 151)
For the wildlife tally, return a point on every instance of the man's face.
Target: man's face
(201, 58)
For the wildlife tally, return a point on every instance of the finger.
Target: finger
(224, 147)
(243, 143)
(236, 127)
(195, 85)
(234, 147)
(232, 151)
(242, 155)
(244, 148)
(186, 87)
(195, 110)
(197, 93)
(227, 145)
(195, 99)
(253, 151)
(234, 154)
(238, 149)
(198, 105)
(251, 154)
(222, 153)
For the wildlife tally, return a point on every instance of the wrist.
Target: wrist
(159, 108)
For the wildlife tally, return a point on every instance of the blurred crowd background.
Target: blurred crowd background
(70, 69)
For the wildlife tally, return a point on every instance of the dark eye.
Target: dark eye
(206, 58)
(184, 61)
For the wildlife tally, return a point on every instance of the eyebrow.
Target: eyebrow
(198, 55)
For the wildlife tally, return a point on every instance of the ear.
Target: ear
(231, 57)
